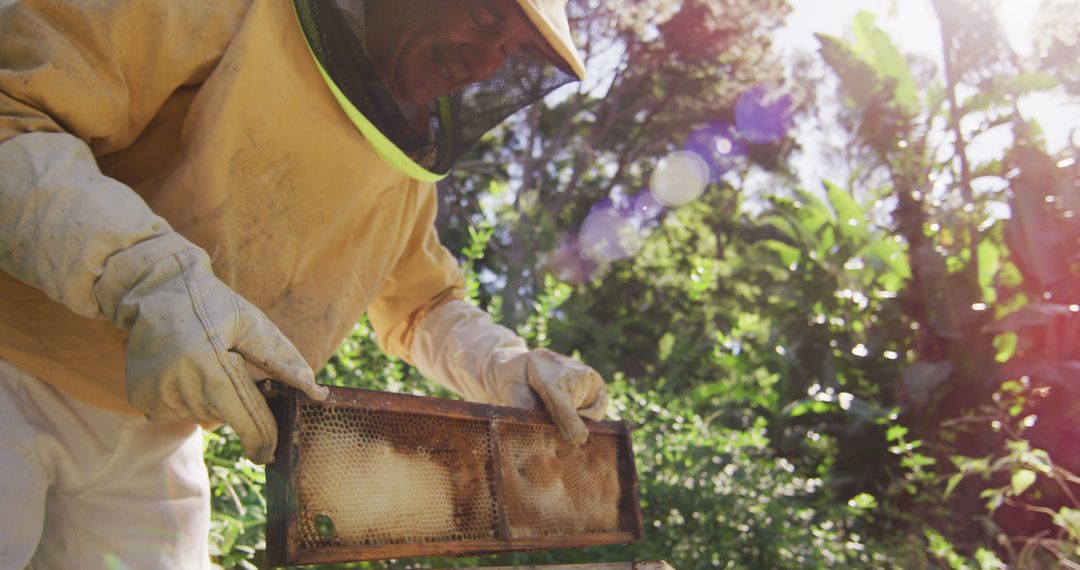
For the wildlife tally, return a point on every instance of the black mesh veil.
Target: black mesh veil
(335, 33)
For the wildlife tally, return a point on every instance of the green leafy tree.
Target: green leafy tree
(985, 292)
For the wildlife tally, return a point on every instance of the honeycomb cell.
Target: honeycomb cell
(554, 488)
(373, 477)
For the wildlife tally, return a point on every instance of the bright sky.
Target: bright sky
(910, 22)
(913, 26)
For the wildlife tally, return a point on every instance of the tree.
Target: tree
(985, 293)
(668, 69)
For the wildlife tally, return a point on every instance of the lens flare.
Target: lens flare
(679, 178)
(720, 145)
(763, 114)
(646, 207)
(614, 229)
(607, 235)
(567, 264)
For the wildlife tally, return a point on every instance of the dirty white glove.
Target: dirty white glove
(460, 347)
(91, 243)
(189, 335)
(569, 389)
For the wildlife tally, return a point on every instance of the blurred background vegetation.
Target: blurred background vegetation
(880, 369)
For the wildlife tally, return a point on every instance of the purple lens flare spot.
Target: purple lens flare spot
(720, 145)
(763, 114)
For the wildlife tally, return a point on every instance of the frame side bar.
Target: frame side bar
(630, 499)
(281, 504)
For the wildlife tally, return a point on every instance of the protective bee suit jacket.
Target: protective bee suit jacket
(172, 174)
(214, 114)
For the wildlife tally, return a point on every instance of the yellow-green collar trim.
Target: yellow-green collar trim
(386, 149)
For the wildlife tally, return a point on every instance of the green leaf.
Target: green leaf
(888, 253)
(798, 409)
(988, 560)
(1030, 81)
(989, 262)
(850, 217)
(917, 461)
(1069, 519)
(1012, 386)
(1005, 344)
(878, 50)
(666, 344)
(812, 213)
(860, 81)
(864, 501)
(496, 187)
(787, 253)
(994, 498)
(808, 405)
(892, 282)
(1021, 480)
(827, 241)
(953, 482)
(784, 225)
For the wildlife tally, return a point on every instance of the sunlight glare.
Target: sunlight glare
(607, 235)
(763, 114)
(720, 144)
(679, 178)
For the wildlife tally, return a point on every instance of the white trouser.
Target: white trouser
(85, 488)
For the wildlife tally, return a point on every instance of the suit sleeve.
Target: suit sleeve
(425, 277)
(77, 81)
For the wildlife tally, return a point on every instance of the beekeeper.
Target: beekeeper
(195, 194)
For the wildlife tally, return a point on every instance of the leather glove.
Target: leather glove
(189, 337)
(568, 389)
(93, 244)
(460, 347)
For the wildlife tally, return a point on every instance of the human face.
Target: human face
(424, 49)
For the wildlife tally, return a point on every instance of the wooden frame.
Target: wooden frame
(284, 547)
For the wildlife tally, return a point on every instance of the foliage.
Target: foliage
(719, 497)
(580, 152)
(1024, 478)
(986, 292)
(239, 506)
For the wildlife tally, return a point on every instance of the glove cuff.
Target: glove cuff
(126, 269)
(460, 347)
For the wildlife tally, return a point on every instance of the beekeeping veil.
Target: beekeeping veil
(424, 141)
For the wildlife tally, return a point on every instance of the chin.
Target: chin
(409, 85)
(418, 100)
(419, 95)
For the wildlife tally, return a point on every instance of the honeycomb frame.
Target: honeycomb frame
(484, 468)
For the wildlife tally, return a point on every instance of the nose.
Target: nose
(482, 59)
(486, 54)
